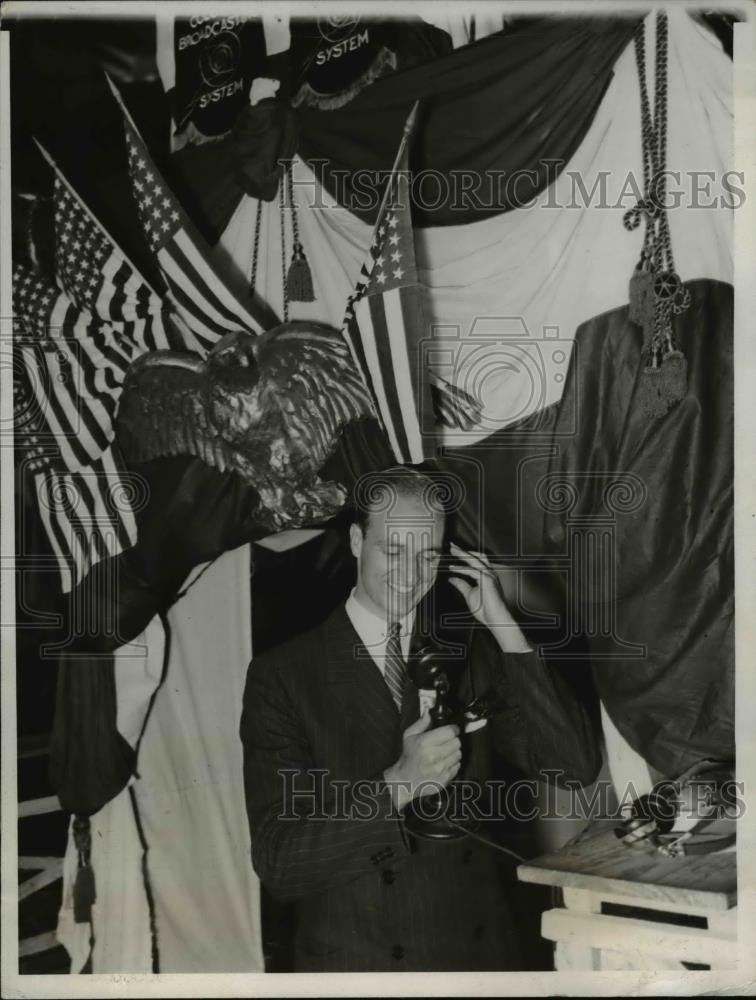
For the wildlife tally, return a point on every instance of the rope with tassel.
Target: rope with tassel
(656, 291)
(84, 895)
(84, 892)
(297, 284)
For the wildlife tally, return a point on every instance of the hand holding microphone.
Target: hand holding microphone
(430, 757)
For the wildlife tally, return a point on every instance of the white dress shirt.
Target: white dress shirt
(373, 630)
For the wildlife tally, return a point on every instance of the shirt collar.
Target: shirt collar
(372, 628)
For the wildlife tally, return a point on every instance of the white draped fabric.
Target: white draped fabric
(189, 794)
(464, 27)
(507, 294)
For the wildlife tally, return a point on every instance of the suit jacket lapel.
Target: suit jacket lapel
(358, 687)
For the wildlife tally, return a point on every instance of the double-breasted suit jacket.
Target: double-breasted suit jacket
(319, 727)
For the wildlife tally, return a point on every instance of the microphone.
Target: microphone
(425, 817)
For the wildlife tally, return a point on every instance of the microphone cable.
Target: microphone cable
(486, 840)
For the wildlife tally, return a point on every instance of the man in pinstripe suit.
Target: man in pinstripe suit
(335, 744)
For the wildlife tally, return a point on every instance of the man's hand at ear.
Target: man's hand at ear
(482, 593)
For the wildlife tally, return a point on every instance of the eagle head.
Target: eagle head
(233, 362)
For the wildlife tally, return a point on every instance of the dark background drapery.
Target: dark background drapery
(512, 105)
(655, 496)
(505, 104)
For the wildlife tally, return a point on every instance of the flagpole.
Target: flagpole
(409, 127)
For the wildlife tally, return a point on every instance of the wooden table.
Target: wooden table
(629, 908)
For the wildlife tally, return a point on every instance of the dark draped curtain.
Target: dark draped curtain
(507, 104)
(511, 106)
(623, 525)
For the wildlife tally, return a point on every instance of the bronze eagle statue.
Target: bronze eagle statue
(271, 407)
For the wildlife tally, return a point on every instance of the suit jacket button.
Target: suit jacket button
(467, 857)
(388, 876)
(397, 952)
(478, 932)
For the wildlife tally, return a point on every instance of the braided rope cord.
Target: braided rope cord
(663, 245)
(292, 205)
(284, 293)
(255, 248)
(647, 140)
(656, 254)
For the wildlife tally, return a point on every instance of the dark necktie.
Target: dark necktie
(395, 669)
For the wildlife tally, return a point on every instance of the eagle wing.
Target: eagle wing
(162, 411)
(312, 380)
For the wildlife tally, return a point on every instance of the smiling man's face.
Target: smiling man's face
(397, 557)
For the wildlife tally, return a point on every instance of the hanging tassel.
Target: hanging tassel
(298, 285)
(648, 397)
(663, 383)
(299, 278)
(84, 894)
(641, 301)
(656, 291)
(674, 379)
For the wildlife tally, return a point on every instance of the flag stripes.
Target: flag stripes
(385, 324)
(84, 521)
(73, 343)
(222, 299)
(76, 369)
(50, 431)
(186, 289)
(204, 301)
(371, 367)
(387, 362)
(398, 318)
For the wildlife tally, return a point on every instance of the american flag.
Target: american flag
(385, 324)
(205, 303)
(73, 342)
(88, 515)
